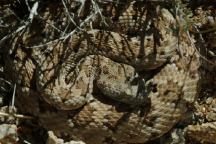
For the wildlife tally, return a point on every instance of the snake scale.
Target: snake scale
(103, 85)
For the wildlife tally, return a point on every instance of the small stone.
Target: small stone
(211, 116)
(53, 139)
(8, 134)
(209, 100)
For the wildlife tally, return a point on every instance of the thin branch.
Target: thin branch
(81, 7)
(31, 16)
(84, 22)
(15, 115)
(97, 10)
(193, 45)
(66, 36)
(26, 1)
(68, 13)
(13, 97)
(1, 79)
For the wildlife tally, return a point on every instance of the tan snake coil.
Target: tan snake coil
(90, 81)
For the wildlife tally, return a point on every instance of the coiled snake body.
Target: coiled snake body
(108, 87)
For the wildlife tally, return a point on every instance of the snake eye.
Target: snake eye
(154, 88)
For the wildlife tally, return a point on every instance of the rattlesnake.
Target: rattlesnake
(107, 86)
